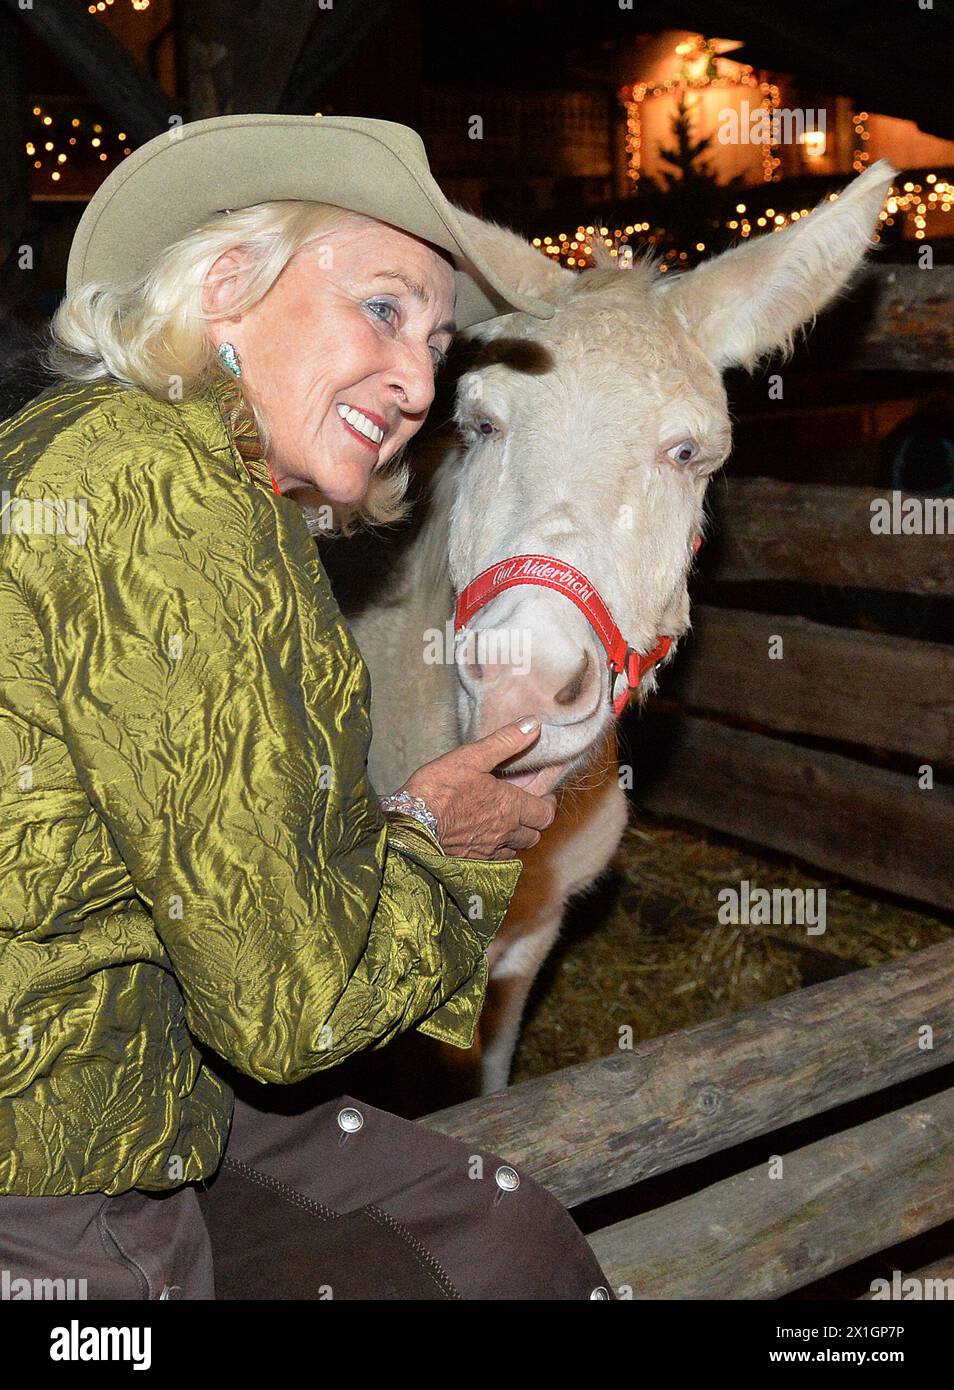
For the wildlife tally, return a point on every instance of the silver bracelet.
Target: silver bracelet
(414, 806)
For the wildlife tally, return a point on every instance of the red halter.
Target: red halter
(550, 573)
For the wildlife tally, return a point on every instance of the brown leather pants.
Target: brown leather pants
(340, 1201)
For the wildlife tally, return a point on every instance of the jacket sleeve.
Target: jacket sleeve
(215, 706)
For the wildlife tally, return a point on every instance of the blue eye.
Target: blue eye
(438, 358)
(384, 304)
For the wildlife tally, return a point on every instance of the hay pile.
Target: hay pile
(647, 949)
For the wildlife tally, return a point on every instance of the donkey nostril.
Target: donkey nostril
(574, 688)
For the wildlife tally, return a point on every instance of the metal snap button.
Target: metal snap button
(600, 1292)
(507, 1179)
(170, 1291)
(350, 1120)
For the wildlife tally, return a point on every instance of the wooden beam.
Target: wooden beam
(910, 325)
(209, 33)
(333, 43)
(865, 823)
(765, 529)
(272, 46)
(880, 691)
(599, 1127)
(241, 58)
(759, 1235)
(99, 62)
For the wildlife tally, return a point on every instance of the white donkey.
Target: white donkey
(576, 481)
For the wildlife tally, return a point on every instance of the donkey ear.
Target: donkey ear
(526, 268)
(751, 301)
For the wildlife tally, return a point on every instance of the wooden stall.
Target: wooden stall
(801, 1212)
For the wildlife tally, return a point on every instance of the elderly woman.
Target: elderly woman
(199, 878)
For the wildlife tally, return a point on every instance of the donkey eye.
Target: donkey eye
(483, 425)
(478, 422)
(683, 452)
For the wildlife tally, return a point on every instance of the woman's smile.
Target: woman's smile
(362, 426)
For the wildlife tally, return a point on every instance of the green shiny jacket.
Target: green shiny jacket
(190, 847)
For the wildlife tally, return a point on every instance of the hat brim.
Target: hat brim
(174, 183)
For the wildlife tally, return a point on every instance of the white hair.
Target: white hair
(151, 333)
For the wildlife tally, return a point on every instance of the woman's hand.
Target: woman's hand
(480, 816)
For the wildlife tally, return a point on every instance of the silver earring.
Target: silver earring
(229, 358)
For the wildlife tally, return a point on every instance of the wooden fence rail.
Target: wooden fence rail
(878, 692)
(766, 529)
(600, 1127)
(909, 325)
(855, 687)
(863, 822)
(828, 1205)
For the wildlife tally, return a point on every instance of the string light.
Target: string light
(54, 156)
(698, 46)
(860, 157)
(771, 162)
(912, 201)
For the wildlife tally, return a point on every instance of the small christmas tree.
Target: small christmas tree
(688, 205)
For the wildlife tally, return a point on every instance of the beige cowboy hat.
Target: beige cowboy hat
(171, 185)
